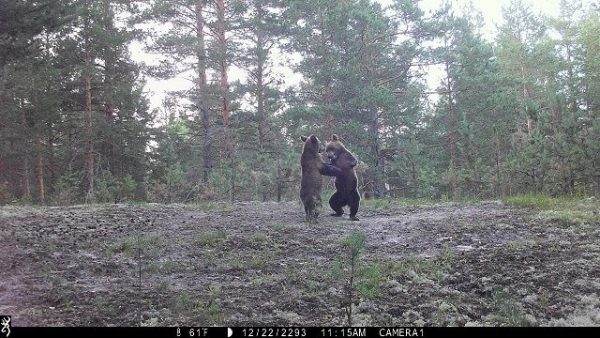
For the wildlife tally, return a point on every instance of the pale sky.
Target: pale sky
(491, 10)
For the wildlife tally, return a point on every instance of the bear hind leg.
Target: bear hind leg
(336, 202)
(354, 203)
(308, 211)
(312, 208)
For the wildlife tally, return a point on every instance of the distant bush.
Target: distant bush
(106, 187)
(173, 187)
(126, 188)
(112, 189)
(67, 189)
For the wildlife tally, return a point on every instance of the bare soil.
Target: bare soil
(483, 264)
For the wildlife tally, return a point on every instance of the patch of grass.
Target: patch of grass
(61, 290)
(130, 246)
(369, 281)
(259, 237)
(377, 203)
(163, 286)
(210, 238)
(544, 202)
(314, 286)
(517, 245)
(531, 201)
(102, 304)
(187, 304)
(434, 268)
(475, 225)
(163, 267)
(215, 290)
(444, 312)
(213, 308)
(334, 270)
(294, 275)
(553, 246)
(564, 210)
(570, 217)
(7, 211)
(184, 302)
(260, 259)
(262, 280)
(236, 261)
(355, 241)
(507, 309)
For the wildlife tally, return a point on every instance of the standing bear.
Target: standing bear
(346, 183)
(313, 167)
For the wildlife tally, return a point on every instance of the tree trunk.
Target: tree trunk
(498, 185)
(90, 143)
(526, 99)
(379, 189)
(26, 177)
(452, 125)
(40, 170)
(260, 70)
(260, 109)
(51, 157)
(201, 88)
(329, 117)
(90, 196)
(26, 165)
(110, 60)
(224, 88)
(222, 62)
(279, 180)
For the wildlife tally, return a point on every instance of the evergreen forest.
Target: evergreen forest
(513, 113)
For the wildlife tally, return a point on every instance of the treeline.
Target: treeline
(519, 114)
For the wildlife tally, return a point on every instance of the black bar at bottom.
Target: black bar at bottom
(326, 332)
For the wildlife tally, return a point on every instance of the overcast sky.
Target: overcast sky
(491, 10)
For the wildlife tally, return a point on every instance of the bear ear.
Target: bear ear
(303, 138)
(334, 137)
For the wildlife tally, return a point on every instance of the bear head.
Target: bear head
(338, 154)
(312, 144)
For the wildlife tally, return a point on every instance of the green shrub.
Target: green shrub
(126, 188)
(106, 187)
(66, 189)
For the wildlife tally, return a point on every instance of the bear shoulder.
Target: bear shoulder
(346, 160)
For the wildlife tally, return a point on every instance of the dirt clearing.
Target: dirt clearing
(482, 264)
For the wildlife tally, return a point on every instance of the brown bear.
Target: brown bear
(346, 183)
(313, 167)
